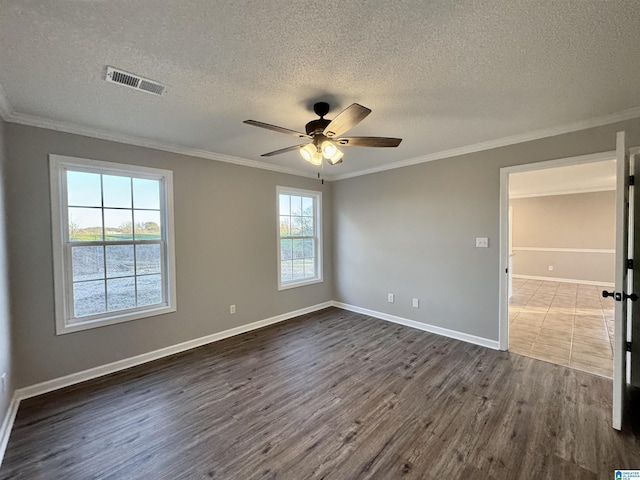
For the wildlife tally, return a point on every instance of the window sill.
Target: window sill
(301, 283)
(112, 319)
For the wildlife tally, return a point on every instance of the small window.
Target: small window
(299, 237)
(113, 242)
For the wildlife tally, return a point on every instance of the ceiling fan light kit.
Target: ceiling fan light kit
(311, 154)
(324, 135)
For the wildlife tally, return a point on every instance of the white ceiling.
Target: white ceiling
(582, 178)
(440, 74)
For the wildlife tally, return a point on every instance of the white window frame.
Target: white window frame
(317, 205)
(58, 166)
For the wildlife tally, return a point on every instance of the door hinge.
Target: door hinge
(506, 270)
(628, 346)
(630, 263)
(632, 180)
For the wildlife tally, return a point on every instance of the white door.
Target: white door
(622, 293)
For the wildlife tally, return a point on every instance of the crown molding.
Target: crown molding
(9, 115)
(500, 142)
(5, 107)
(40, 122)
(572, 191)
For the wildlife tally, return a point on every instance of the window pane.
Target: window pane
(307, 226)
(309, 267)
(88, 298)
(146, 193)
(298, 248)
(307, 206)
(147, 224)
(83, 189)
(116, 191)
(148, 259)
(298, 269)
(87, 263)
(121, 294)
(283, 202)
(117, 224)
(285, 226)
(296, 226)
(149, 290)
(285, 249)
(85, 224)
(308, 248)
(296, 205)
(286, 270)
(119, 260)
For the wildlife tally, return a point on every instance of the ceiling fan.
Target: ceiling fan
(324, 135)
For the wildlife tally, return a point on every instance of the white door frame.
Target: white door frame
(503, 328)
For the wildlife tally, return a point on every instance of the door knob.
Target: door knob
(618, 297)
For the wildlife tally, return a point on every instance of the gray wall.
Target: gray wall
(226, 227)
(6, 364)
(411, 231)
(577, 221)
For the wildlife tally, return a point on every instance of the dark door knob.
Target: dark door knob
(618, 297)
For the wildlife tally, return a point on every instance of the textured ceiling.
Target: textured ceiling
(439, 74)
(584, 177)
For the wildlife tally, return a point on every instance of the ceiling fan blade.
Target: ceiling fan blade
(283, 150)
(346, 119)
(276, 128)
(368, 141)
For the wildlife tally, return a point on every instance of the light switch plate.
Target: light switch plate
(482, 242)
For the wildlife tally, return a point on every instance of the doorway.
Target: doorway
(560, 237)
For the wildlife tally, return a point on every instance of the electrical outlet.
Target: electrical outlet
(232, 309)
(4, 382)
(416, 303)
(390, 297)
(551, 268)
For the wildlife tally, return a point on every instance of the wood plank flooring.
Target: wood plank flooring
(329, 395)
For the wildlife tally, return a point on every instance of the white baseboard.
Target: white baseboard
(7, 424)
(445, 332)
(57, 383)
(563, 280)
(72, 379)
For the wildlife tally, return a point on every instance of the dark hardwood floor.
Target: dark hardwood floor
(330, 395)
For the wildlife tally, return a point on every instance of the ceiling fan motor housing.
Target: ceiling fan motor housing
(315, 127)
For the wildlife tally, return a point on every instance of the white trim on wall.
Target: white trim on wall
(7, 424)
(78, 377)
(425, 327)
(9, 115)
(72, 379)
(564, 280)
(559, 249)
(64, 127)
(6, 112)
(564, 192)
(503, 142)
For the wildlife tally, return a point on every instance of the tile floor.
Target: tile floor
(564, 323)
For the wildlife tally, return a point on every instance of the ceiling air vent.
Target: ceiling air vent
(134, 81)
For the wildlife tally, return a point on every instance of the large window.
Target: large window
(113, 242)
(299, 234)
